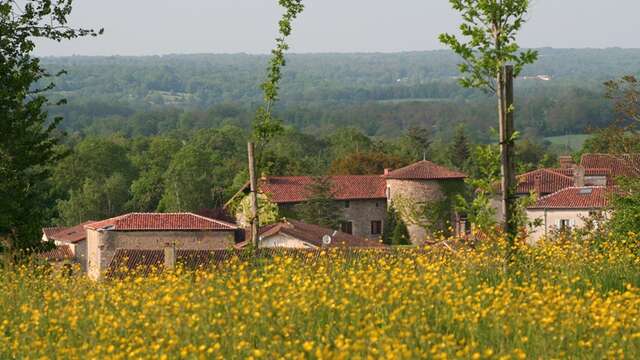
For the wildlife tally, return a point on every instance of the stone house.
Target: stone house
(364, 198)
(153, 231)
(566, 209)
(74, 238)
(299, 235)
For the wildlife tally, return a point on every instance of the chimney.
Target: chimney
(170, 256)
(566, 162)
(537, 184)
(578, 176)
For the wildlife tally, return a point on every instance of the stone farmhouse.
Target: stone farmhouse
(364, 198)
(73, 238)
(574, 192)
(295, 234)
(151, 231)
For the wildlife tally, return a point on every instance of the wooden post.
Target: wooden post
(254, 195)
(507, 152)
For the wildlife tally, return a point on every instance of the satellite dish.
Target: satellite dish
(326, 240)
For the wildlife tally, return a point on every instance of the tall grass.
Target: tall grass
(557, 301)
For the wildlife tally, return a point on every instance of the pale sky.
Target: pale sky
(154, 27)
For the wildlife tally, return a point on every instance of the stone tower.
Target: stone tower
(418, 186)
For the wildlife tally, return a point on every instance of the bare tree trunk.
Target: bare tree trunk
(507, 153)
(254, 195)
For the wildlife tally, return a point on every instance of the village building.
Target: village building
(566, 209)
(295, 234)
(566, 196)
(151, 231)
(364, 199)
(73, 238)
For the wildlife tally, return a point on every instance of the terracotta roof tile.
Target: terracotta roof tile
(425, 170)
(161, 222)
(549, 181)
(620, 165)
(587, 197)
(144, 262)
(73, 234)
(291, 189)
(313, 234)
(59, 253)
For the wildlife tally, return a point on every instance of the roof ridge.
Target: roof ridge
(221, 222)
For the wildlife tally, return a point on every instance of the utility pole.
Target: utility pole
(507, 153)
(254, 195)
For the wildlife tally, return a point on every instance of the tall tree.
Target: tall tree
(27, 142)
(320, 208)
(491, 27)
(265, 125)
(460, 149)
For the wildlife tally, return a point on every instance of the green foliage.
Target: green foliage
(483, 180)
(268, 211)
(625, 208)
(95, 200)
(491, 26)
(265, 126)
(28, 139)
(320, 208)
(460, 150)
(395, 231)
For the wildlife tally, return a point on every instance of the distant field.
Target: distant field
(574, 142)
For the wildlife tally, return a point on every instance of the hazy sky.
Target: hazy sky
(143, 27)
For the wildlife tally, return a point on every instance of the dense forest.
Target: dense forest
(381, 94)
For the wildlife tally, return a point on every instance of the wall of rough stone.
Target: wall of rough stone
(102, 246)
(418, 192)
(362, 212)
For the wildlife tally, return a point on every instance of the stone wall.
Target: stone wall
(418, 192)
(101, 246)
(361, 213)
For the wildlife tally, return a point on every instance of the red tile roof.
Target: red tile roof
(145, 262)
(575, 198)
(425, 170)
(620, 165)
(59, 253)
(161, 222)
(313, 234)
(71, 234)
(550, 181)
(587, 172)
(292, 189)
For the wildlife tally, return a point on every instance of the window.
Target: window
(565, 224)
(376, 227)
(347, 204)
(346, 227)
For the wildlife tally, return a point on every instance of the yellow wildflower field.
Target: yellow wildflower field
(557, 301)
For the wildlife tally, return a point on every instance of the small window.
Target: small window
(565, 224)
(376, 227)
(346, 227)
(347, 204)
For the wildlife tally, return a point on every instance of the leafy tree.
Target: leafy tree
(395, 231)
(95, 200)
(152, 163)
(320, 208)
(346, 141)
(188, 181)
(268, 211)
(460, 149)
(414, 144)
(625, 208)
(364, 163)
(265, 126)
(622, 136)
(28, 139)
(491, 26)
